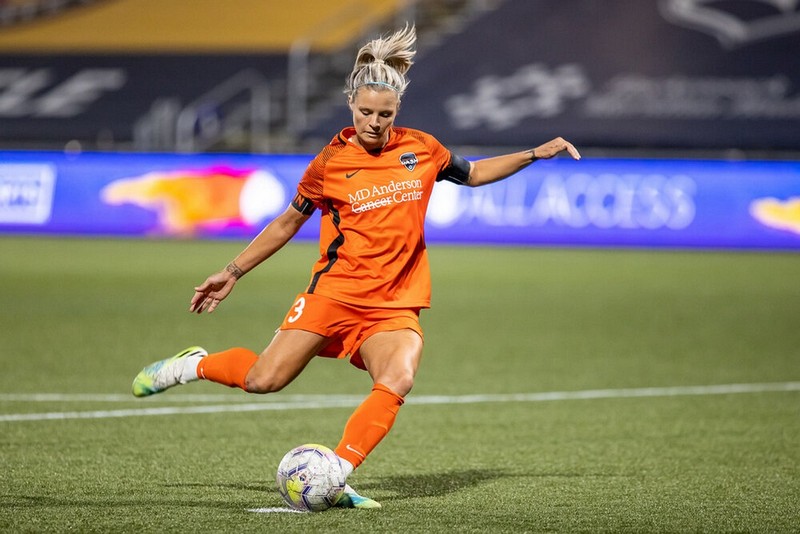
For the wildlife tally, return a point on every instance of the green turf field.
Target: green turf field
(554, 395)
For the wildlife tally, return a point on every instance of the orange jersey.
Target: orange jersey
(372, 243)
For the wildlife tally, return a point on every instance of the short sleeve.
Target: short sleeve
(310, 186)
(439, 153)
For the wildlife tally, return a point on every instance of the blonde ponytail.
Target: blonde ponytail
(384, 63)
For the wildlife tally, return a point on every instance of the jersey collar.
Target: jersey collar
(344, 138)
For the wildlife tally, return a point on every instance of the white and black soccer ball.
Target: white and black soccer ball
(310, 478)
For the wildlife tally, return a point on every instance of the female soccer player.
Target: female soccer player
(372, 184)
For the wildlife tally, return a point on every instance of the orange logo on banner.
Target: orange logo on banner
(188, 202)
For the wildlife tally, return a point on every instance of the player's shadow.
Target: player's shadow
(429, 484)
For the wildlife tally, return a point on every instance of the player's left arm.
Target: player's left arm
(490, 170)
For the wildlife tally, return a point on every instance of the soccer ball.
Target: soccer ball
(310, 478)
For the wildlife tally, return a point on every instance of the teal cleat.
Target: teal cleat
(163, 374)
(351, 499)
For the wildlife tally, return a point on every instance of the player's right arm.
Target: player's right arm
(272, 238)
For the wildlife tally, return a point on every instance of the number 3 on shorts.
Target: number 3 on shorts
(298, 310)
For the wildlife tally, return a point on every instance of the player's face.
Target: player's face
(373, 115)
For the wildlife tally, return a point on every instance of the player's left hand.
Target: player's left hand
(555, 147)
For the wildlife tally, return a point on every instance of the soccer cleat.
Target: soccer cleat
(351, 499)
(163, 374)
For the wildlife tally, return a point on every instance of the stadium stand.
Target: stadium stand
(251, 75)
(160, 75)
(178, 26)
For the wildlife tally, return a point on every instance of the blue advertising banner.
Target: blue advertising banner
(652, 203)
(593, 202)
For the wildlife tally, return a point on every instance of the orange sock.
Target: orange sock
(228, 367)
(369, 424)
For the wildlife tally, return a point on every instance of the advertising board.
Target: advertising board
(592, 202)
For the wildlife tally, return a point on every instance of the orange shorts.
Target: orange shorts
(346, 326)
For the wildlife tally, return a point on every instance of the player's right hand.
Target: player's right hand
(210, 293)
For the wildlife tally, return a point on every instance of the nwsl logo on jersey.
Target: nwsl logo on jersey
(409, 160)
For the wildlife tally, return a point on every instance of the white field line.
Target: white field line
(276, 511)
(306, 402)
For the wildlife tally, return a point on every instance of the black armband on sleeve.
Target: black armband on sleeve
(303, 205)
(457, 172)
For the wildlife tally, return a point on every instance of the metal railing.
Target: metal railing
(236, 110)
(238, 106)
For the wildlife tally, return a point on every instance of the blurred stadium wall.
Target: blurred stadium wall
(238, 75)
(252, 75)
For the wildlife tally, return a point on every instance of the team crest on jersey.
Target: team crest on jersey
(409, 160)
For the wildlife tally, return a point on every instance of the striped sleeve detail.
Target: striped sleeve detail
(439, 153)
(311, 184)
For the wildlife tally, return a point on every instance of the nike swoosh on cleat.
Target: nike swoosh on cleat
(351, 174)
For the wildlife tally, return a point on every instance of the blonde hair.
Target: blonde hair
(384, 62)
